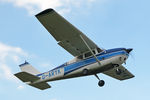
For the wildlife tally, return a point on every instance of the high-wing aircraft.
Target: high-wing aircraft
(89, 59)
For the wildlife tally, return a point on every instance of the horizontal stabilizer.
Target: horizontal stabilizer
(26, 77)
(41, 86)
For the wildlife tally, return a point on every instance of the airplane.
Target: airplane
(89, 59)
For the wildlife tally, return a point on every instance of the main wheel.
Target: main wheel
(101, 83)
(85, 71)
(118, 71)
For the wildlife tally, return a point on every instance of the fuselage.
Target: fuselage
(107, 58)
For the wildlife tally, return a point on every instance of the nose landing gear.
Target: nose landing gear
(118, 71)
(101, 82)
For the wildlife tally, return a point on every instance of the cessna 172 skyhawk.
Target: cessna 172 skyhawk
(89, 59)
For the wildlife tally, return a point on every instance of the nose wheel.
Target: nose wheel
(101, 82)
(118, 71)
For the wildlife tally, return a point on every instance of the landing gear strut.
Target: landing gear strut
(101, 82)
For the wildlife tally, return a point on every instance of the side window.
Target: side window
(80, 57)
(94, 51)
(99, 50)
(88, 54)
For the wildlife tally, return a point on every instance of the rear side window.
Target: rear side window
(80, 57)
(88, 54)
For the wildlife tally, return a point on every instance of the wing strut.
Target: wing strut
(90, 50)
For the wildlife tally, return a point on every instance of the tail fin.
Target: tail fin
(28, 75)
(26, 67)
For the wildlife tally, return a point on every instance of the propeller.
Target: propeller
(129, 52)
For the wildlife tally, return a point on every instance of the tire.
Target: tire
(101, 83)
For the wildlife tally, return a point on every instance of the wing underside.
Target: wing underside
(125, 74)
(65, 33)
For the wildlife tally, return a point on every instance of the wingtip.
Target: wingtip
(44, 12)
(133, 76)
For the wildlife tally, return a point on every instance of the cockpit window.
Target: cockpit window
(94, 52)
(99, 50)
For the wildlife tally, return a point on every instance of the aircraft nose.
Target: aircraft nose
(129, 50)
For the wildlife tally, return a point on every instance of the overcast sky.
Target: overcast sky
(109, 23)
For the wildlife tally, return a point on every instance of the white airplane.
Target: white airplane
(89, 59)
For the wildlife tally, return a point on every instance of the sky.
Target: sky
(109, 23)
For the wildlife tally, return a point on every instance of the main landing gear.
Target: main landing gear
(101, 82)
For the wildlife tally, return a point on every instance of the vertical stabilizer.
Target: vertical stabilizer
(26, 67)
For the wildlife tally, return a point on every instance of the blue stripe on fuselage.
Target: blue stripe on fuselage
(74, 66)
(77, 65)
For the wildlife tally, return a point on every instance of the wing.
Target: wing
(65, 33)
(123, 76)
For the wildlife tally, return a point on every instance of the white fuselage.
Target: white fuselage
(75, 69)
